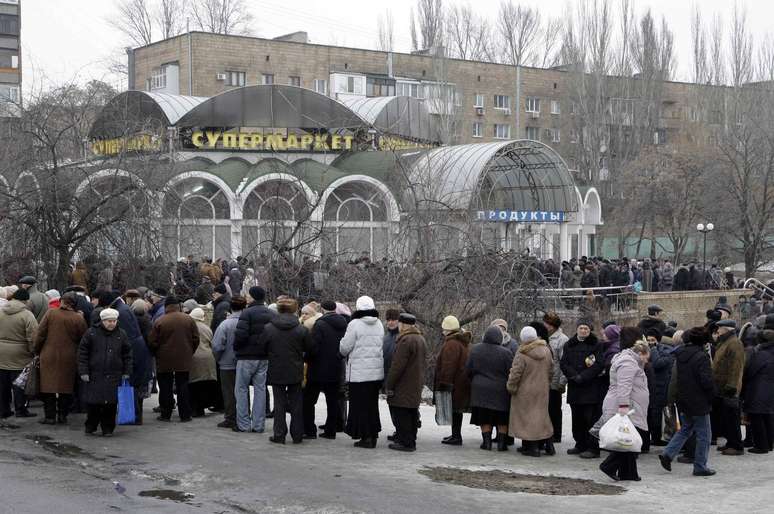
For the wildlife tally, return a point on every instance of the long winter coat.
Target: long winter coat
(105, 356)
(174, 340)
(583, 363)
(142, 362)
(362, 346)
(17, 335)
(628, 386)
(728, 366)
(528, 384)
(325, 364)
(758, 385)
(694, 384)
(556, 342)
(57, 344)
(407, 373)
(488, 366)
(203, 362)
(450, 369)
(286, 341)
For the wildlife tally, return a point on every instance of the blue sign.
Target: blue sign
(521, 216)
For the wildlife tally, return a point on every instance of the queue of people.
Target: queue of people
(681, 390)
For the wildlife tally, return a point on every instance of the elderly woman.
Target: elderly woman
(17, 336)
(528, 384)
(104, 360)
(56, 342)
(488, 366)
(450, 374)
(362, 346)
(203, 378)
(628, 394)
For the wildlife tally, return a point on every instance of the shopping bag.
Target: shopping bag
(21, 380)
(620, 435)
(125, 404)
(443, 407)
(32, 387)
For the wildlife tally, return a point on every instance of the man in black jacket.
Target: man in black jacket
(324, 370)
(286, 342)
(695, 392)
(252, 363)
(583, 363)
(221, 302)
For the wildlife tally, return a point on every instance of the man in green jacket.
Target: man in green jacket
(17, 335)
(38, 301)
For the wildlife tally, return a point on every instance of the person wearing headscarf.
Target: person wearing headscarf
(451, 375)
(203, 381)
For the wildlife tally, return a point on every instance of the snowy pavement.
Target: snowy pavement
(196, 467)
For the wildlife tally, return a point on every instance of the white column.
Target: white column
(564, 242)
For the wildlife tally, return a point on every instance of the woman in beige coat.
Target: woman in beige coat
(203, 379)
(528, 384)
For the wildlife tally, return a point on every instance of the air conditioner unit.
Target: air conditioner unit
(507, 111)
(534, 115)
(480, 111)
(220, 76)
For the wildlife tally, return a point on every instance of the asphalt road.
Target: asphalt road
(197, 467)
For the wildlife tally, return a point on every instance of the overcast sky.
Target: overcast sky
(63, 40)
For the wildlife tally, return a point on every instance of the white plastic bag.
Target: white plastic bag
(443, 408)
(620, 435)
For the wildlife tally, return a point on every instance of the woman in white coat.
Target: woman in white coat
(362, 346)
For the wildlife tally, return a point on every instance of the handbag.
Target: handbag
(126, 414)
(21, 380)
(443, 408)
(32, 387)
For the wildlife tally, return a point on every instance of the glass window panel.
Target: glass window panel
(381, 243)
(353, 241)
(196, 207)
(222, 242)
(196, 240)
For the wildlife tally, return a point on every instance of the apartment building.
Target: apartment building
(10, 58)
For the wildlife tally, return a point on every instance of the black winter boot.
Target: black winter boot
(502, 442)
(487, 437)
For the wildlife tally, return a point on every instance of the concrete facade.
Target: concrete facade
(10, 58)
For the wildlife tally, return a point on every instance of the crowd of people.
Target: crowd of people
(682, 389)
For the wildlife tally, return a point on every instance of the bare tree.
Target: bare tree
(222, 16)
(385, 28)
(134, 20)
(518, 29)
(168, 17)
(699, 47)
(740, 47)
(550, 42)
(467, 34)
(717, 65)
(429, 20)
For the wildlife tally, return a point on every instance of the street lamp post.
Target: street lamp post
(705, 229)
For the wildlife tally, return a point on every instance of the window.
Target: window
(479, 100)
(294, 81)
(349, 84)
(380, 87)
(9, 24)
(9, 93)
(572, 108)
(267, 79)
(502, 102)
(321, 86)
(573, 136)
(158, 78)
(556, 107)
(443, 92)
(533, 104)
(235, 78)
(408, 89)
(555, 135)
(9, 58)
(533, 133)
(660, 137)
(478, 129)
(502, 131)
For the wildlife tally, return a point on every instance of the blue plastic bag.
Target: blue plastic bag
(126, 414)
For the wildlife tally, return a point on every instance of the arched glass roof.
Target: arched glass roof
(272, 106)
(133, 111)
(513, 175)
(402, 116)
